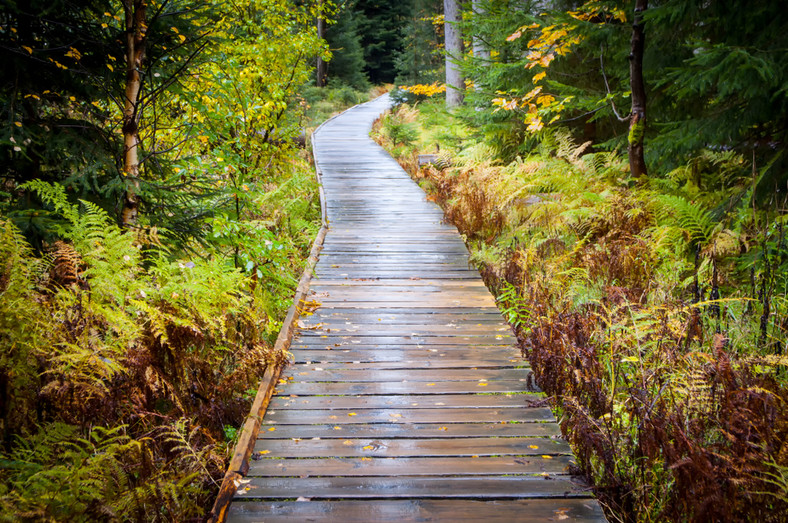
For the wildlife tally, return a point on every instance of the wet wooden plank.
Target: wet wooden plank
(412, 430)
(401, 415)
(452, 466)
(361, 329)
(486, 487)
(407, 511)
(500, 340)
(433, 363)
(400, 317)
(382, 273)
(388, 448)
(414, 401)
(406, 375)
(406, 387)
(456, 357)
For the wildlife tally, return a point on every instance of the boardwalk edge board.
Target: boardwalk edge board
(239, 463)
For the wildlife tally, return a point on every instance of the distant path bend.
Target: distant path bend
(408, 400)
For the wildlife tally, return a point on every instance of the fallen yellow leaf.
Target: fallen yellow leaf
(337, 427)
(545, 456)
(368, 447)
(533, 446)
(351, 413)
(264, 452)
(272, 429)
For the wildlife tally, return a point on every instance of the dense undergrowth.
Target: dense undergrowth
(126, 366)
(653, 313)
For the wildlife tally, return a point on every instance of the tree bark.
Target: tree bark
(321, 70)
(455, 83)
(637, 122)
(136, 28)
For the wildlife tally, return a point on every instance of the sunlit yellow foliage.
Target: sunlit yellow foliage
(594, 9)
(425, 90)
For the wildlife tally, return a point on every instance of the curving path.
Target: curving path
(407, 400)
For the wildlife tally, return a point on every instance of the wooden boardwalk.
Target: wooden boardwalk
(407, 400)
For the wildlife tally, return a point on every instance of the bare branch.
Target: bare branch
(607, 86)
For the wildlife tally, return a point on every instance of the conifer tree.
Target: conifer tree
(381, 28)
(347, 60)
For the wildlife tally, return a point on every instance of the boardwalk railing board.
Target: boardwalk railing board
(407, 388)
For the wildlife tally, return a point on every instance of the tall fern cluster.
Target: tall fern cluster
(109, 329)
(654, 315)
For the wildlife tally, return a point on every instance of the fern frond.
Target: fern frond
(696, 222)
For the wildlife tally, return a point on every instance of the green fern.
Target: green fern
(696, 222)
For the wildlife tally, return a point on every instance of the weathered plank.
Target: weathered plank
(473, 487)
(404, 375)
(394, 415)
(387, 448)
(415, 401)
(407, 387)
(421, 510)
(451, 466)
(412, 430)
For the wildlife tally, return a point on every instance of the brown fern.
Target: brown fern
(67, 265)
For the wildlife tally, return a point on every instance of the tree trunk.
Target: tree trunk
(321, 69)
(136, 27)
(455, 83)
(637, 122)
